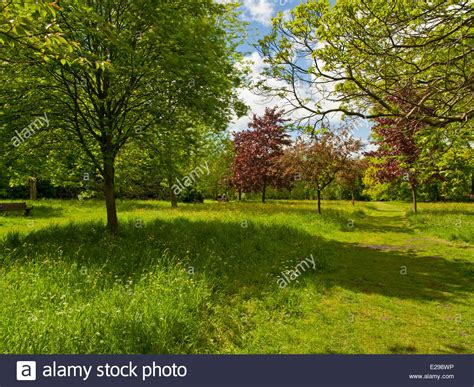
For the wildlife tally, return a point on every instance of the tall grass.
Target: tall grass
(85, 294)
(203, 279)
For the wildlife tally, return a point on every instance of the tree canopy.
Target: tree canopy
(351, 57)
(130, 65)
(257, 151)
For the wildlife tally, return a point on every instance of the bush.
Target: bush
(191, 195)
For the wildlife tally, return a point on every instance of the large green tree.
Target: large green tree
(125, 57)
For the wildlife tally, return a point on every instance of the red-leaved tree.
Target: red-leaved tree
(257, 151)
(399, 154)
(318, 160)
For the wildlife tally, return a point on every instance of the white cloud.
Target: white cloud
(260, 11)
(258, 103)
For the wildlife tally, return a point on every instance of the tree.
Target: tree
(178, 145)
(401, 149)
(257, 151)
(172, 147)
(126, 57)
(316, 161)
(218, 152)
(351, 174)
(450, 153)
(352, 57)
(398, 156)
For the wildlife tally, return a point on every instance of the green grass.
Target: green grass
(203, 279)
(451, 222)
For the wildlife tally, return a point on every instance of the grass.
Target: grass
(453, 223)
(203, 279)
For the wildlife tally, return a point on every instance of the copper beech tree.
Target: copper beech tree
(318, 160)
(257, 152)
(400, 153)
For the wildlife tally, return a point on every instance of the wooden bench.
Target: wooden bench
(10, 207)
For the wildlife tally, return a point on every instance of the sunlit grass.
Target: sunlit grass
(449, 221)
(203, 279)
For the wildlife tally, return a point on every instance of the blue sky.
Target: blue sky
(259, 14)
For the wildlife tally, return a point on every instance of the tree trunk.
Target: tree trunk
(33, 188)
(174, 198)
(319, 201)
(472, 186)
(264, 191)
(109, 191)
(240, 194)
(437, 192)
(353, 198)
(413, 191)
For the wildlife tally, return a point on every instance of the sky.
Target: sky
(259, 14)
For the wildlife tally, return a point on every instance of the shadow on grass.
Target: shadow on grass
(43, 211)
(244, 261)
(37, 211)
(382, 224)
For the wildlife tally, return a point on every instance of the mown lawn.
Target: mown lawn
(204, 279)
